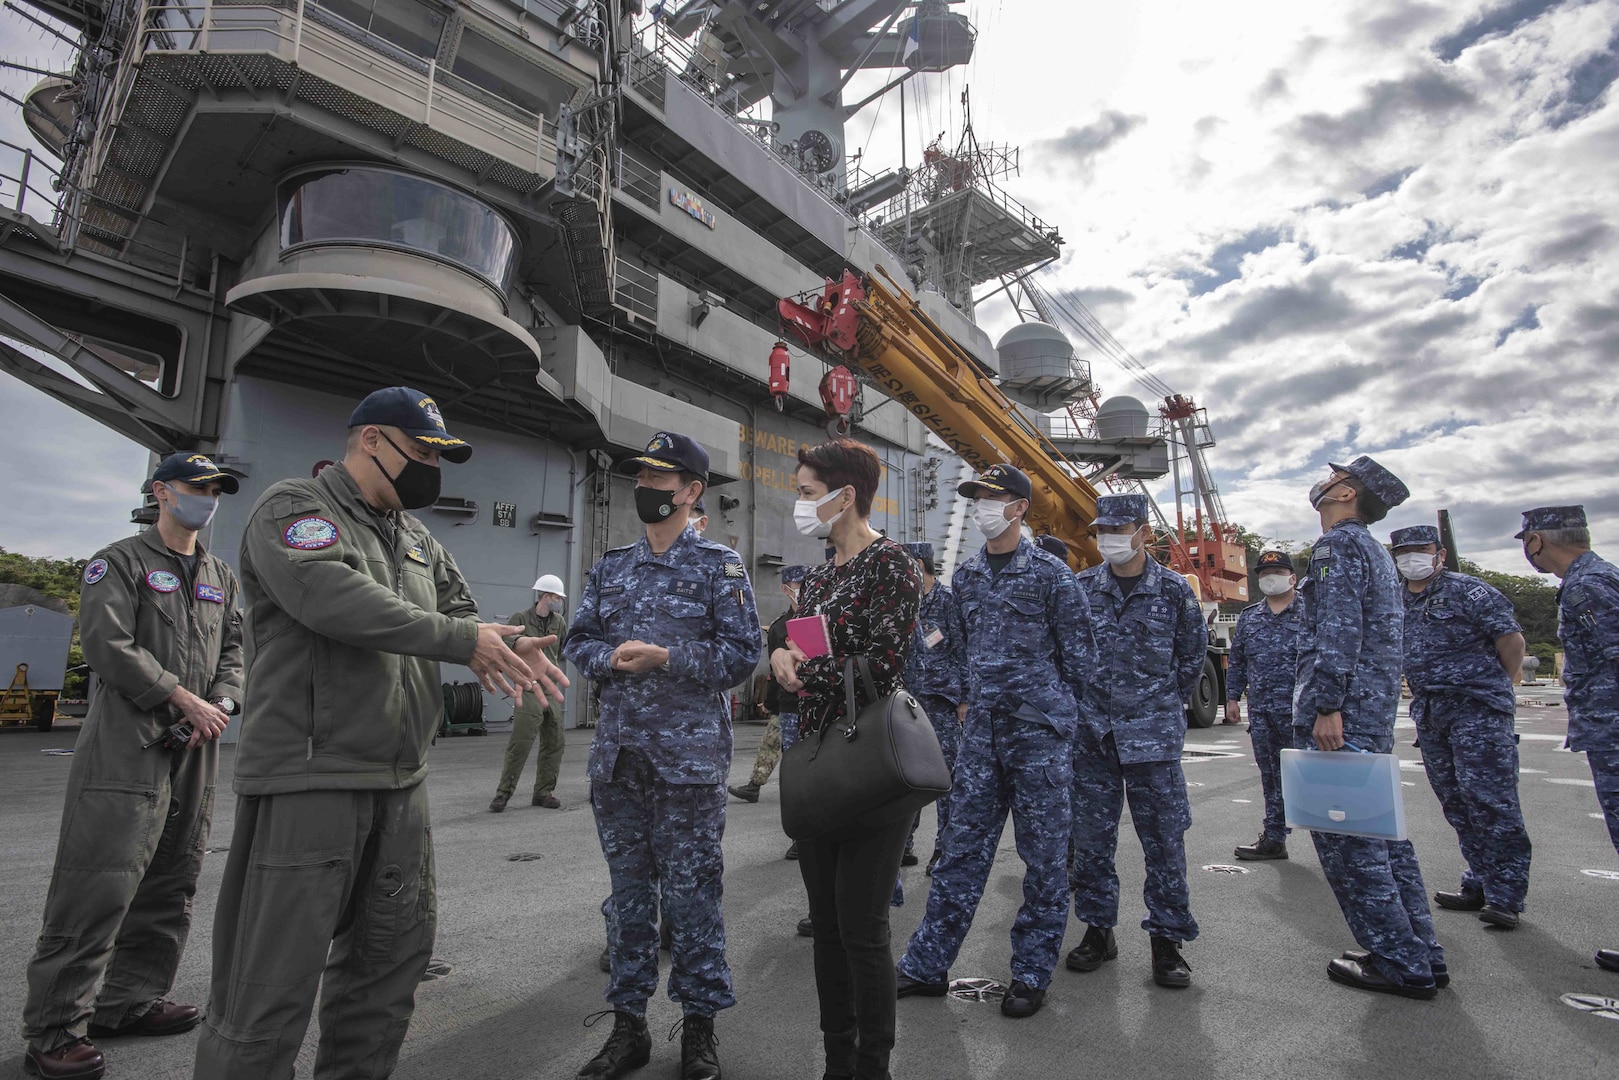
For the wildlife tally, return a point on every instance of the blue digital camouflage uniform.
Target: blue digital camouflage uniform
(1151, 647)
(1588, 625)
(1263, 663)
(936, 673)
(1029, 653)
(1463, 706)
(1349, 661)
(661, 754)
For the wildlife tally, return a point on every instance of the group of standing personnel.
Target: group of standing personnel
(1058, 697)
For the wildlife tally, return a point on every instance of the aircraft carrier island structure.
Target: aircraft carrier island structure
(569, 221)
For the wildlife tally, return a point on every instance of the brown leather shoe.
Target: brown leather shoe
(497, 804)
(77, 1060)
(163, 1018)
(548, 801)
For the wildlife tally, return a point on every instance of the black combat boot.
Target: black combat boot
(746, 792)
(1169, 968)
(1096, 947)
(1022, 1000)
(1461, 900)
(628, 1047)
(699, 1048)
(1263, 848)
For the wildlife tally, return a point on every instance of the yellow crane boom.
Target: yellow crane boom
(875, 327)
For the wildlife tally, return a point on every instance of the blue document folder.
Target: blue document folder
(1341, 791)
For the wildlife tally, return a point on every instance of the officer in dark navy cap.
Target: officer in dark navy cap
(1347, 691)
(1263, 663)
(667, 625)
(351, 604)
(1557, 540)
(1462, 646)
(936, 673)
(1151, 645)
(159, 622)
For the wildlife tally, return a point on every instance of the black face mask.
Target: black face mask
(417, 484)
(653, 505)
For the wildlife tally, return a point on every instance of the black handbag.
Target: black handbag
(879, 765)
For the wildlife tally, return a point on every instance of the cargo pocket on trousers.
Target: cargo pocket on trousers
(290, 909)
(111, 829)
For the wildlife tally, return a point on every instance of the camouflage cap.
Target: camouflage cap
(1413, 536)
(1122, 509)
(1274, 560)
(792, 575)
(920, 550)
(1543, 518)
(1053, 545)
(1378, 480)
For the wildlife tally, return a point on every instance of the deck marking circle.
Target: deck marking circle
(1595, 1004)
(981, 990)
(1225, 868)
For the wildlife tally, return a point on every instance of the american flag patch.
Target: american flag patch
(734, 570)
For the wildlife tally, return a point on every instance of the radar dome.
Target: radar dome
(1121, 417)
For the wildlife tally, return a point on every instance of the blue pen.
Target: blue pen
(1351, 746)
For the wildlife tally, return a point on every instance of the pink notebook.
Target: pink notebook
(811, 634)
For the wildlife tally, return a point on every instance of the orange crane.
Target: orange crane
(875, 327)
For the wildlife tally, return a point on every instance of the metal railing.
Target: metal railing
(639, 180)
(20, 171)
(298, 31)
(635, 289)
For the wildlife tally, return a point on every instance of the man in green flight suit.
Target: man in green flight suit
(350, 605)
(159, 623)
(536, 717)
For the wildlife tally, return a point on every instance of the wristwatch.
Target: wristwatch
(226, 705)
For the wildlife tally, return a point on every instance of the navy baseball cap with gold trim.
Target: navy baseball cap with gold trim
(1274, 560)
(189, 468)
(998, 480)
(414, 413)
(669, 451)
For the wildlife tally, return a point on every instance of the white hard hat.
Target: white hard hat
(550, 583)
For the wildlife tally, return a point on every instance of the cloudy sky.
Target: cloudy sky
(1381, 228)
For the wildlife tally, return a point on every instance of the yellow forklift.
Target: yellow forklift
(20, 705)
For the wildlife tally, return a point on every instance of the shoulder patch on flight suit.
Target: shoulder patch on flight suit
(95, 571)
(211, 593)
(416, 554)
(162, 581)
(311, 534)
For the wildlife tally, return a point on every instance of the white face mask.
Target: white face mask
(990, 517)
(1275, 584)
(1117, 550)
(806, 515)
(1417, 565)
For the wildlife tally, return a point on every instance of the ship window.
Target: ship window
(414, 27)
(384, 208)
(486, 65)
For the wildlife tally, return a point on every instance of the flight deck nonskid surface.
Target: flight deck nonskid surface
(520, 940)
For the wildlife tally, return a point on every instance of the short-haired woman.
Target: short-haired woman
(869, 594)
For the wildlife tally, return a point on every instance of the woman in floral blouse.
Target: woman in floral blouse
(869, 594)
